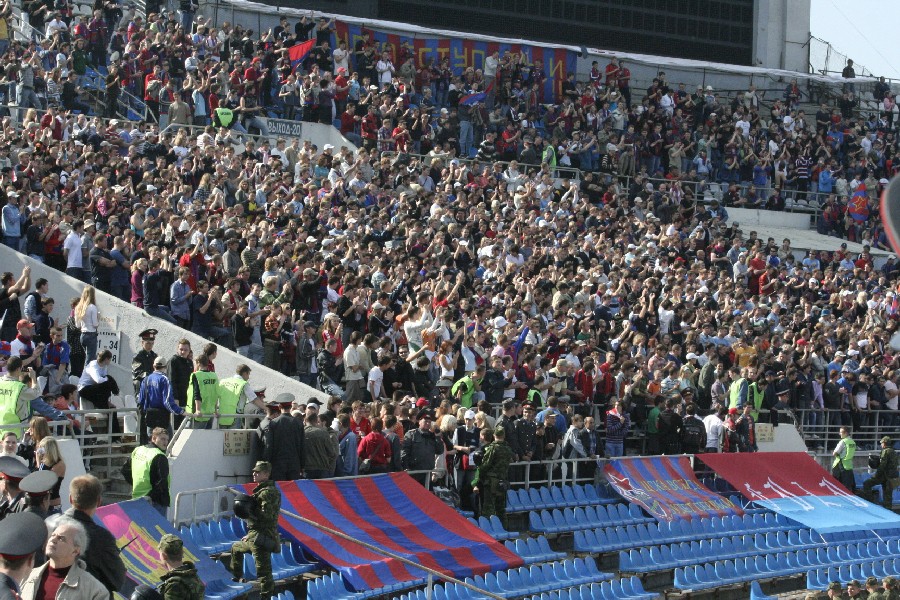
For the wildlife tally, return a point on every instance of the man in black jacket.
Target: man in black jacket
(103, 561)
(282, 439)
(421, 447)
(669, 427)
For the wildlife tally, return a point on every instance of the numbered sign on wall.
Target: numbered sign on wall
(108, 336)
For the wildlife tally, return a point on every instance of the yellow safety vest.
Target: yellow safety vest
(9, 402)
(847, 460)
(208, 382)
(141, 459)
(231, 393)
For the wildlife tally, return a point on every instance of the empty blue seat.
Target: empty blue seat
(547, 497)
(756, 593)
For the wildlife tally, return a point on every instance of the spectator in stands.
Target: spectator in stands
(67, 544)
(87, 320)
(321, 448)
(103, 561)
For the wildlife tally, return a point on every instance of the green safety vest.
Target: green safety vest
(9, 402)
(734, 392)
(466, 399)
(208, 383)
(225, 117)
(141, 459)
(231, 392)
(756, 398)
(535, 397)
(847, 461)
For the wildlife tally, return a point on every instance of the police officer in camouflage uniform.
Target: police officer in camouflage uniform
(262, 531)
(885, 474)
(180, 581)
(491, 479)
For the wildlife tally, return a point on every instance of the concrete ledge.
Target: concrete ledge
(132, 320)
(768, 218)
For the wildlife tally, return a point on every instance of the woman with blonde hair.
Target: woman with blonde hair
(87, 318)
(49, 458)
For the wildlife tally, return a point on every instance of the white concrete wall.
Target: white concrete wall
(132, 320)
(751, 216)
(71, 454)
(782, 33)
(197, 462)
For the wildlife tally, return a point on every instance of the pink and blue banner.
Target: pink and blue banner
(666, 487)
(392, 512)
(796, 486)
(138, 528)
(463, 53)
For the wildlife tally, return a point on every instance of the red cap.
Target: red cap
(732, 411)
(23, 323)
(421, 402)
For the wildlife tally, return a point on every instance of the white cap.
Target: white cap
(500, 322)
(470, 414)
(852, 352)
(691, 356)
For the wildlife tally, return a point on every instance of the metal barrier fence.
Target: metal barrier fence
(821, 428)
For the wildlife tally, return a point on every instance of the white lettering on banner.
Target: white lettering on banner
(108, 336)
(284, 127)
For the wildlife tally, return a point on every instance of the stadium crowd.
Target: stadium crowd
(404, 273)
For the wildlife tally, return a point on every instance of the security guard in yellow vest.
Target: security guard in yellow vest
(15, 407)
(234, 395)
(739, 392)
(842, 467)
(755, 395)
(148, 471)
(203, 393)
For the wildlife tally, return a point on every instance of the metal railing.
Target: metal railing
(821, 428)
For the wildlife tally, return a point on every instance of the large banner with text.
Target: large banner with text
(666, 487)
(463, 53)
(796, 486)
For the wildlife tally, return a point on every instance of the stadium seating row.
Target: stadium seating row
(569, 520)
(567, 496)
(534, 550)
(617, 589)
(540, 578)
(612, 539)
(334, 587)
(818, 579)
(847, 560)
(493, 527)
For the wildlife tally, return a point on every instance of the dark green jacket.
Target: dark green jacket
(495, 464)
(182, 583)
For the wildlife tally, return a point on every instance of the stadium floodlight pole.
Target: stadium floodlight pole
(431, 572)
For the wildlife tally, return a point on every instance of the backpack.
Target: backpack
(693, 433)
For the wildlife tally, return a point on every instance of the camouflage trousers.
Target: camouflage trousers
(263, 562)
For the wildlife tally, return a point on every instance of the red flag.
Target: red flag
(299, 51)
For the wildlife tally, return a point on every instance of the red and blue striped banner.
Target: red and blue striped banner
(464, 53)
(392, 512)
(666, 487)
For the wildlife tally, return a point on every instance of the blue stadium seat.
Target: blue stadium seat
(547, 552)
(547, 497)
(756, 593)
(534, 498)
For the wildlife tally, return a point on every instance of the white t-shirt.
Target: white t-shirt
(890, 386)
(375, 382)
(72, 243)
